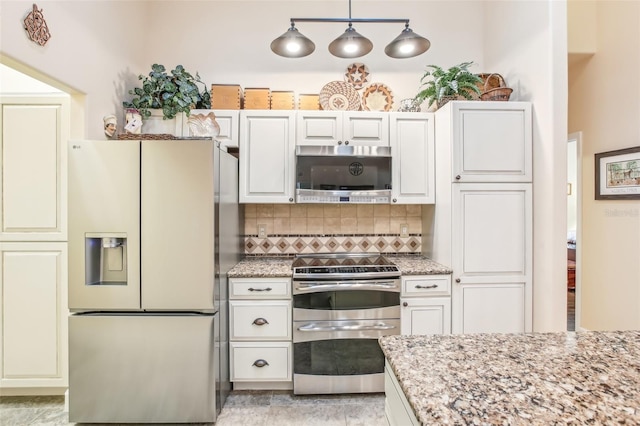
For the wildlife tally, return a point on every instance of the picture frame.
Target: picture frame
(617, 174)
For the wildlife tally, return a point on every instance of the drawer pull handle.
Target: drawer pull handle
(260, 363)
(260, 289)
(427, 286)
(260, 321)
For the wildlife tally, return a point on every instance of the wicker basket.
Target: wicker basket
(491, 92)
(146, 136)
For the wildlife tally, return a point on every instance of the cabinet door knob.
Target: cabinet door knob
(405, 304)
(458, 177)
(339, 142)
(260, 363)
(291, 200)
(457, 280)
(260, 321)
(395, 200)
(346, 142)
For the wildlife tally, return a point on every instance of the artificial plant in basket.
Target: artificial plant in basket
(173, 93)
(446, 85)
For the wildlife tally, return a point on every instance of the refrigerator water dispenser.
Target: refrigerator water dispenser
(105, 259)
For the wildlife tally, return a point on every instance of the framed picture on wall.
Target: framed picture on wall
(618, 174)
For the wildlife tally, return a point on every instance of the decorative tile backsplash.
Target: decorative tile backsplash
(328, 228)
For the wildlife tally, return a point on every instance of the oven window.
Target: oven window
(346, 300)
(338, 357)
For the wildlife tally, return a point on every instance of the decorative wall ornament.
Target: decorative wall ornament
(37, 27)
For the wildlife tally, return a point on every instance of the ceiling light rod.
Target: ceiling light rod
(377, 20)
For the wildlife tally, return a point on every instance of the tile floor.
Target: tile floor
(243, 408)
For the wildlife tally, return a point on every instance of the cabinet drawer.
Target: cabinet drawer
(260, 320)
(260, 288)
(426, 286)
(256, 361)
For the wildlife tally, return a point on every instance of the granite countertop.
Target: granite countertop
(262, 267)
(418, 265)
(265, 266)
(540, 378)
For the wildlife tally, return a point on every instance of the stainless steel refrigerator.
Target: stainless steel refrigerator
(153, 229)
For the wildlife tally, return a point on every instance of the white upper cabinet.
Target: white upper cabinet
(342, 127)
(412, 150)
(33, 206)
(491, 141)
(228, 120)
(267, 156)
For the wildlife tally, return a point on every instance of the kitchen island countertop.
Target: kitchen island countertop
(539, 378)
(266, 266)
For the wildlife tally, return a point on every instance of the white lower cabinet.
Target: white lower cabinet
(492, 260)
(261, 361)
(251, 320)
(397, 409)
(33, 279)
(261, 349)
(491, 307)
(426, 315)
(426, 304)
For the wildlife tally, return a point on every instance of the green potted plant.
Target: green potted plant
(446, 85)
(172, 93)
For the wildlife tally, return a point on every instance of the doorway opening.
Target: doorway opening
(574, 221)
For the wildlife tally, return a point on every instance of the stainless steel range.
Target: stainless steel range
(342, 304)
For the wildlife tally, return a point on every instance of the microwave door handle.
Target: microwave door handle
(360, 285)
(314, 327)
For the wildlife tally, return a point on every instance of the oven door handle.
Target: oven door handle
(314, 327)
(346, 285)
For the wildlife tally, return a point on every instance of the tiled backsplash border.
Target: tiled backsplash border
(298, 244)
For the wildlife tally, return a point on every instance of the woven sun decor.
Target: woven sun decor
(495, 88)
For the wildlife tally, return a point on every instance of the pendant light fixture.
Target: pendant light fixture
(292, 44)
(351, 44)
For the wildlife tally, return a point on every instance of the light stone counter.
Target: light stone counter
(541, 378)
(265, 266)
(418, 265)
(262, 267)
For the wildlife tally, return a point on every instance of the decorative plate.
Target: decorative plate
(338, 95)
(377, 97)
(357, 74)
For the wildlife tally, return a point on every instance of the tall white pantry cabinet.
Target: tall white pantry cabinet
(482, 219)
(33, 243)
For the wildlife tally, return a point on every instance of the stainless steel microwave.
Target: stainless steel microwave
(343, 174)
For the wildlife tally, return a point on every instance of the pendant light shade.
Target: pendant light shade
(292, 44)
(350, 44)
(407, 45)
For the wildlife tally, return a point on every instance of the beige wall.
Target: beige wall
(582, 26)
(604, 103)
